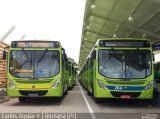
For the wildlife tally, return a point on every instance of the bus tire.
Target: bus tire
(88, 93)
(156, 97)
(65, 92)
(59, 99)
(22, 99)
(158, 80)
(154, 101)
(97, 100)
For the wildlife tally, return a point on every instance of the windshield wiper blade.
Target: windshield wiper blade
(33, 78)
(42, 56)
(26, 54)
(125, 79)
(28, 59)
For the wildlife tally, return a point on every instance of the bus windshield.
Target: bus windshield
(125, 64)
(34, 64)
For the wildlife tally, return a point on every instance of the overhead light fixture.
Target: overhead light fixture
(92, 6)
(85, 39)
(130, 18)
(144, 35)
(87, 33)
(114, 35)
(88, 27)
(91, 18)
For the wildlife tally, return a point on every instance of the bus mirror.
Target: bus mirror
(94, 54)
(63, 50)
(4, 54)
(65, 57)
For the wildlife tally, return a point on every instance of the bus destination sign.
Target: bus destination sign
(35, 44)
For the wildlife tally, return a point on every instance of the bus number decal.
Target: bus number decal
(118, 88)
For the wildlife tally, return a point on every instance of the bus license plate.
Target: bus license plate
(125, 97)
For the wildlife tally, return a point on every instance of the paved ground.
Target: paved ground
(77, 101)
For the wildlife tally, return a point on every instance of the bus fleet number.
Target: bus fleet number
(118, 88)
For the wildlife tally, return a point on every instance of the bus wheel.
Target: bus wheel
(65, 92)
(59, 99)
(155, 101)
(88, 93)
(156, 98)
(22, 99)
(97, 100)
(158, 80)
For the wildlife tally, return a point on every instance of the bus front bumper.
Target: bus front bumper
(56, 92)
(105, 93)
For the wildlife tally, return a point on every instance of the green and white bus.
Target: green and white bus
(35, 69)
(156, 49)
(119, 68)
(157, 71)
(72, 73)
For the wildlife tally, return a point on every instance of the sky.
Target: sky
(57, 20)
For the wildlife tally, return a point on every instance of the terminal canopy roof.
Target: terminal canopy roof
(119, 18)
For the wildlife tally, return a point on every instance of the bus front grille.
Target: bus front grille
(36, 93)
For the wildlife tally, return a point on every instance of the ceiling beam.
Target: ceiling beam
(130, 14)
(114, 4)
(89, 43)
(93, 42)
(158, 29)
(133, 28)
(145, 21)
(98, 33)
(87, 48)
(140, 30)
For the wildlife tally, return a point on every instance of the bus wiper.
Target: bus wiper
(33, 78)
(39, 60)
(28, 59)
(125, 79)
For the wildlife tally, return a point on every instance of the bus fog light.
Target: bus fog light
(56, 83)
(149, 85)
(11, 84)
(101, 84)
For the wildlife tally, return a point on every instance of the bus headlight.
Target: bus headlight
(56, 83)
(101, 84)
(149, 85)
(11, 84)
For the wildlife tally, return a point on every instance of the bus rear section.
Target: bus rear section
(35, 71)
